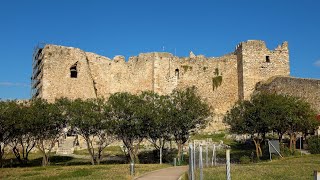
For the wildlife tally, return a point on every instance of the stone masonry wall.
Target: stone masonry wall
(258, 63)
(306, 89)
(220, 81)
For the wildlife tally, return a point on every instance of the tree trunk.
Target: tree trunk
(90, 150)
(45, 160)
(131, 155)
(179, 150)
(161, 145)
(1, 156)
(16, 153)
(258, 148)
(280, 137)
(160, 155)
(294, 141)
(135, 153)
(99, 155)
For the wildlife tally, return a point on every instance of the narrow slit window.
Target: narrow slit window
(177, 73)
(268, 59)
(73, 71)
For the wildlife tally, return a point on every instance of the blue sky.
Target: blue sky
(129, 27)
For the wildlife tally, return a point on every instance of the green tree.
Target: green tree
(266, 112)
(22, 130)
(301, 118)
(246, 118)
(159, 127)
(48, 121)
(186, 112)
(5, 129)
(89, 118)
(128, 116)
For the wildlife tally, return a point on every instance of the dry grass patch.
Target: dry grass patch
(112, 172)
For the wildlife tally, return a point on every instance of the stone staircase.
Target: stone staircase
(66, 146)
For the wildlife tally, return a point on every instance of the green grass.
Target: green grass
(110, 150)
(286, 168)
(112, 172)
(215, 137)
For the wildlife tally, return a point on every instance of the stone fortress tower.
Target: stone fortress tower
(60, 71)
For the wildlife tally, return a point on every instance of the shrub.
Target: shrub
(245, 160)
(314, 145)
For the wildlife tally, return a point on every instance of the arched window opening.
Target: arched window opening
(73, 71)
(177, 73)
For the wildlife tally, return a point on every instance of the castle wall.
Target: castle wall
(259, 64)
(306, 89)
(220, 81)
(56, 81)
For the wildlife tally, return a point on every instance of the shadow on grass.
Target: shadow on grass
(63, 161)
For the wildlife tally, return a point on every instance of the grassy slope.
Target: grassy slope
(287, 168)
(110, 150)
(111, 172)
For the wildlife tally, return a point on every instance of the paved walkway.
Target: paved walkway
(172, 173)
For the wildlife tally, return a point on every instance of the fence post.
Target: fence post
(132, 168)
(213, 160)
(191, 168)
(194, 155)
(207, 155)
(200, 162)
(174, 161)
(228, 164)
(316, 175)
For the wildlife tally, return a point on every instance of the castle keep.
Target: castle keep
(60, 71)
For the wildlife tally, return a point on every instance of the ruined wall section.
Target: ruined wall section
(172, 72)
(220, 81)
(258, 63)
(306, 89)
(56, 74)
(117, 75)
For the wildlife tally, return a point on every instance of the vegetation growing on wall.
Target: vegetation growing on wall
(204, 68)
(186, 68)
(216, 72)
(216, 81)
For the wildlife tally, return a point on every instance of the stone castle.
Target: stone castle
(60, 71)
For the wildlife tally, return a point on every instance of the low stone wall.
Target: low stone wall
(306, 89)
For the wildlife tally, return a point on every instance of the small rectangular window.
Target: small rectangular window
(267, 59)
(73, 71)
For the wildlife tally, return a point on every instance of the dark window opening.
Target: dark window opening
(73, 71)
(177, 73)
(267, 59)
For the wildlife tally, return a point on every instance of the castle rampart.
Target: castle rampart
(70, 72)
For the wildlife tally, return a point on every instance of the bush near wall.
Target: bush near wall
(314, 145)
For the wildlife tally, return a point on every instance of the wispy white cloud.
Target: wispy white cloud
(317, 63)
(10, 84)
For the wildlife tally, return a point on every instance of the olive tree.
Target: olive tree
(23, 138)
(127, 114)
(265, 112)
(89, 118)
(5, 129)
(158, 124)
(246, 118)
(186, 112)
(48, 121)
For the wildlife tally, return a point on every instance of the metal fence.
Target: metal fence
(204, 154)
